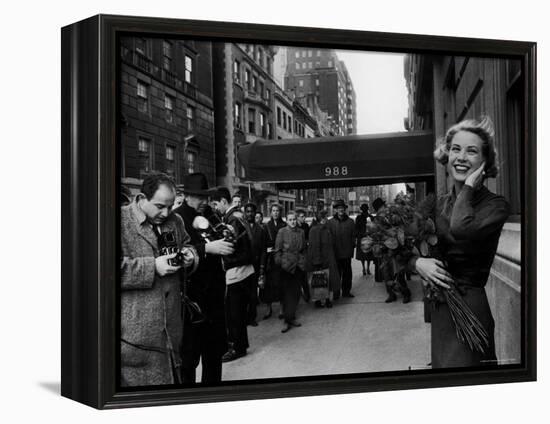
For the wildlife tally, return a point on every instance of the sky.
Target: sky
(381, 93)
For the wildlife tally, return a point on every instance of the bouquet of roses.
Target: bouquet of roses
(403, 230)
(400, 231)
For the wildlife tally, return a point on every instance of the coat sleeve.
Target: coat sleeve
(137, 273)
(278, 248)
(315, 247)
(186, 242)
(263, 250)
(465, 224)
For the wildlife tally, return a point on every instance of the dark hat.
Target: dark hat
(364, 207)
(339, 204)
(217, 193)
(196, 184)
(378, 203)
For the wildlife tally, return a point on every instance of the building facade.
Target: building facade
(246, 95)
(318, 74)
(444, 90)
(167, 109)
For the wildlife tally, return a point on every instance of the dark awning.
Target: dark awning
(340, 161)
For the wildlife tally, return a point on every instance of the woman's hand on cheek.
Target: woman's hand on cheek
(475, 179)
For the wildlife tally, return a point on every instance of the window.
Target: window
(310, 65)
(263, 128)
(142, 97)
(297, 65)
(284, 120)
(270, 131)
(268, 64)
(237, 71)
(304, 65)
(254, 84)
(268, 94)
(142, 46)
(297, 55)
(301, 83)
(261, 57)
(171, 161)
(309, 53)
(317, 64)
(190, 118)
(145, 155)
(289, 123)
(167, 55)
(317, 82)
(304, 53)
(330, 63)
(261, 92)
(251, 121)
(237, 116)
(278, 116)
(318, 53)
(188, 69)
(169, 107)
(191, 161)
(247, 79)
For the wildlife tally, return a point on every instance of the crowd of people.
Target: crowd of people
(189, 290)
(220, 281)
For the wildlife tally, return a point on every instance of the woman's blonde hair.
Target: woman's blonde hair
(483, 129)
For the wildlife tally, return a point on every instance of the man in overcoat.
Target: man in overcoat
(205, 341)
(342, 228)
(151, 319)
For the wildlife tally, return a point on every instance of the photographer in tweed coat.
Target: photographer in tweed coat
(151, 301)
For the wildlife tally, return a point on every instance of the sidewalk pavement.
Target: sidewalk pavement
(362, 334)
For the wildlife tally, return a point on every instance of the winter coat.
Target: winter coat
(343, 231)
(320, 254)
(290, 247)
(151, 316)
(243, 245)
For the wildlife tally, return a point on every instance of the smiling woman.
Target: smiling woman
(469, 221)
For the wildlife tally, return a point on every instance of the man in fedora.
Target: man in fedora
(207, 340)
(342, 228)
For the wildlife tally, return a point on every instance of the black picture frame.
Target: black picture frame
(89, 206)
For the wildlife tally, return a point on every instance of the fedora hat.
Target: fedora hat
(196, 184)
(339, 204)
(378, 203)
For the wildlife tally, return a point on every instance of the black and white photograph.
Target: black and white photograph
(275, 212)
(294, 212)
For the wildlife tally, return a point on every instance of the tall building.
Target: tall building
(318, 75)
(167, 109)
(444, 90)
(246, 95)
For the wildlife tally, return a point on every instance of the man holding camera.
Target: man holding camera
(204, 340)
(239, 274)
(154, 247)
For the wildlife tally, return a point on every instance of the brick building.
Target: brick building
(166, 109)
(318, 73)
(444, 90)
(249, 105)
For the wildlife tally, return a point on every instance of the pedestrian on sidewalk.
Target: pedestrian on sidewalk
(239, 275)
(302, 225)
(290, 247)
(342, 228)
(271, 292)
(320, 256)
(360, 232)
(259, 255)
(385, 272)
